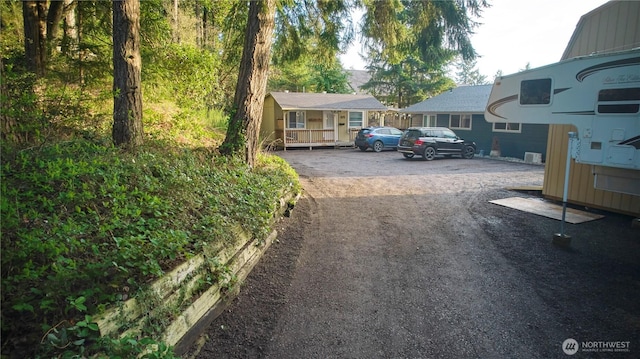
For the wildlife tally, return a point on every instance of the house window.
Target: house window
(535, 92)
(460, 121)
(429, 121)
(507, 127)
(295, 119)
(355, 119)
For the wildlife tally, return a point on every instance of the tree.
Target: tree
(127, 66)
(468, 74)
(306, 75)
(402, 84)
(435, 30)
(244, 126)
(34, 14)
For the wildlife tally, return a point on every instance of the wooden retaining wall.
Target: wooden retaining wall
(186, 300)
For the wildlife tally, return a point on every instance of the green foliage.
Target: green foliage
(468, 74)
(184, 73)
(303, 75)
(84, 225)
(434, 30)
(408, 82)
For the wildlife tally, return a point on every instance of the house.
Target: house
(608, 28)
(462, 110)
(294, 119)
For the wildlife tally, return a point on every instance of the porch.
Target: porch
(293, 137)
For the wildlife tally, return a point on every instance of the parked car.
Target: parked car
(430, 142)
(378, 138)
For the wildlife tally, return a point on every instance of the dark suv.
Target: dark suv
(429, 142)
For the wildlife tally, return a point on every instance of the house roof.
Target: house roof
(326, 101)
(460, 99)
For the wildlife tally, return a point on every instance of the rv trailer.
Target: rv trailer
(598, 94)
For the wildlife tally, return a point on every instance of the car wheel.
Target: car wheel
(429, 153)
(362, 148)
(378, 146)
(408, 155)
(468, 152)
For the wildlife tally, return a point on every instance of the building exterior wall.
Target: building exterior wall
(532, 138)
(615, 26)
(267, 127)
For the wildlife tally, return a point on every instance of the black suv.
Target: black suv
(429, 142)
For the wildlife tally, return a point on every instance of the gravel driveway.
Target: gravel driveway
(391, 258)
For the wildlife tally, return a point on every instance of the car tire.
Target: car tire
(408, 155)
(378, 146)
(468, 152)
(362, 148)
(429, 154)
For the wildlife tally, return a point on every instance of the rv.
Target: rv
(598, 94)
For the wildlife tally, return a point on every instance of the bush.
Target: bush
(85, 225)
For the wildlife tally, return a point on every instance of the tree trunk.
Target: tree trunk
(244, 127)
(174, 23)
(71, 39)
(127, 65)
(34, 14)
(54, 16)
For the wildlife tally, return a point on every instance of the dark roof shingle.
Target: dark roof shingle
(460, 99)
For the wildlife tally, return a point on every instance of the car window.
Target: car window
(383, 131)
(412, 134)
(395, 132)
(448, 134)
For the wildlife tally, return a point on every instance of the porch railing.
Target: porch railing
(306, 137)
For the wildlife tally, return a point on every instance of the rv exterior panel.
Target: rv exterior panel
(598, 94)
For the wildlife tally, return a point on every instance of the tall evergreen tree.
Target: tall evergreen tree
(244, 126)
(417, 39)
(468, 74)
(127, 67)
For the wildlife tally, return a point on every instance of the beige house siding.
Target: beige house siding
(614, 26)
(267, 127)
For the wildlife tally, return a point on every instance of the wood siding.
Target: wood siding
(614, 26)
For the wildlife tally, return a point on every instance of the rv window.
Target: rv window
(622, 108)
(629, 94)
(535, 92)
(619, 100)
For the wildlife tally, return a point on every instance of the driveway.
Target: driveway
(391, 258)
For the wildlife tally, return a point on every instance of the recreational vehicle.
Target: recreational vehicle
(598, 94)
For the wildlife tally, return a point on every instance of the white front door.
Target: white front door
(329, 124)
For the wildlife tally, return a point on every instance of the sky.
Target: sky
(513, 33)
